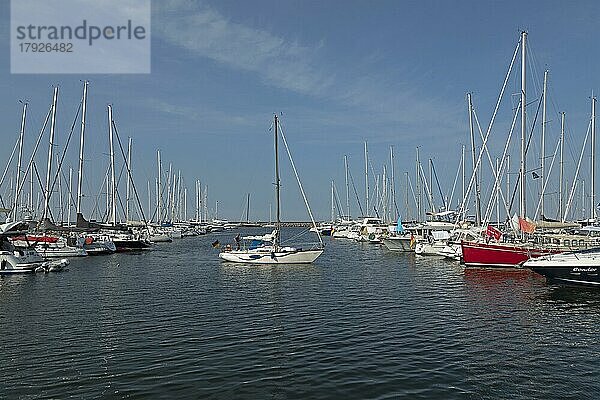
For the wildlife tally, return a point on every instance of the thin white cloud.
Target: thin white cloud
(301, 68)
(203, 30)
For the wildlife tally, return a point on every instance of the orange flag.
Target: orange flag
(526, 226)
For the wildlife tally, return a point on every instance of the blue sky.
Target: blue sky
(341, 72)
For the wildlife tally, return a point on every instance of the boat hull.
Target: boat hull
(25, 263)
(570, 275)
(130, 245)
(429, 249)
(572, 269)
(397, 244)
(499, 255)
(267, 257)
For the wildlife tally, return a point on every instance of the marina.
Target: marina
(277, 212)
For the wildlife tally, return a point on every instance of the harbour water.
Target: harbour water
(360, 323)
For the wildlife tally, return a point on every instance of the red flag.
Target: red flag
(526, 226)
(493, 232)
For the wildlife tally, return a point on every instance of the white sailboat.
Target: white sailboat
(270, 250)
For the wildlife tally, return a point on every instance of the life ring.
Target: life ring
(89, 240)
(371, 236)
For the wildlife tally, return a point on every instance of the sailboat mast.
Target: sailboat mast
(185, 203)
(367, 209)
(561, 171)
(149, 202)
(522, 175)
(70, 194)
(464, 176)
(50, 150)
(81, 144)
(113, 186)
(543, 144)
(159, 189)
(18, 176)
(394, 206)
(248, 208)
(347, 187)
(593, 162)
(277, 184)
(198, 200)
(332, 204)
(128, 180)
(477, 187)
(418, 182)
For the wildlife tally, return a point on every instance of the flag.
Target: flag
(535, 175)
(216, 244)
(493, 232)
(412, 241)
(526, 226)
(399, 227)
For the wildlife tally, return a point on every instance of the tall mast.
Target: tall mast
(332, 204)
(507, 177)
(347, 188)
(522, 175)
(418, 183)
(367, 179)
(81, 143)
(185, 203)
(198, 189)
(582, 199)
(60, 194)
(406, 196)
(393, 183)
(593, 163)
(205, 203)
(107, 195)
(128, 180)
(543, 144)
(70, 194)
(498, 191)
(31, 192)
(113, 183)
(18, 176)
(50, 150)
(561, 171)
(248, 208)
(431, 184)
(178, 195)
(149, 202)
(477, 187)
(159, 189)
(168, 210)
(464, 176)
(277, 184)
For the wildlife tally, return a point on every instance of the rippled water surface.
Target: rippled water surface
(359, 323)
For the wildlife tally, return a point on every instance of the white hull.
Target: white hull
(268, 257)
(61, 252)
(396, 243)
(452, 251)
(427, 249)
(19, 262)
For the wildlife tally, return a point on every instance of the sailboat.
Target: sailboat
(270, 250)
